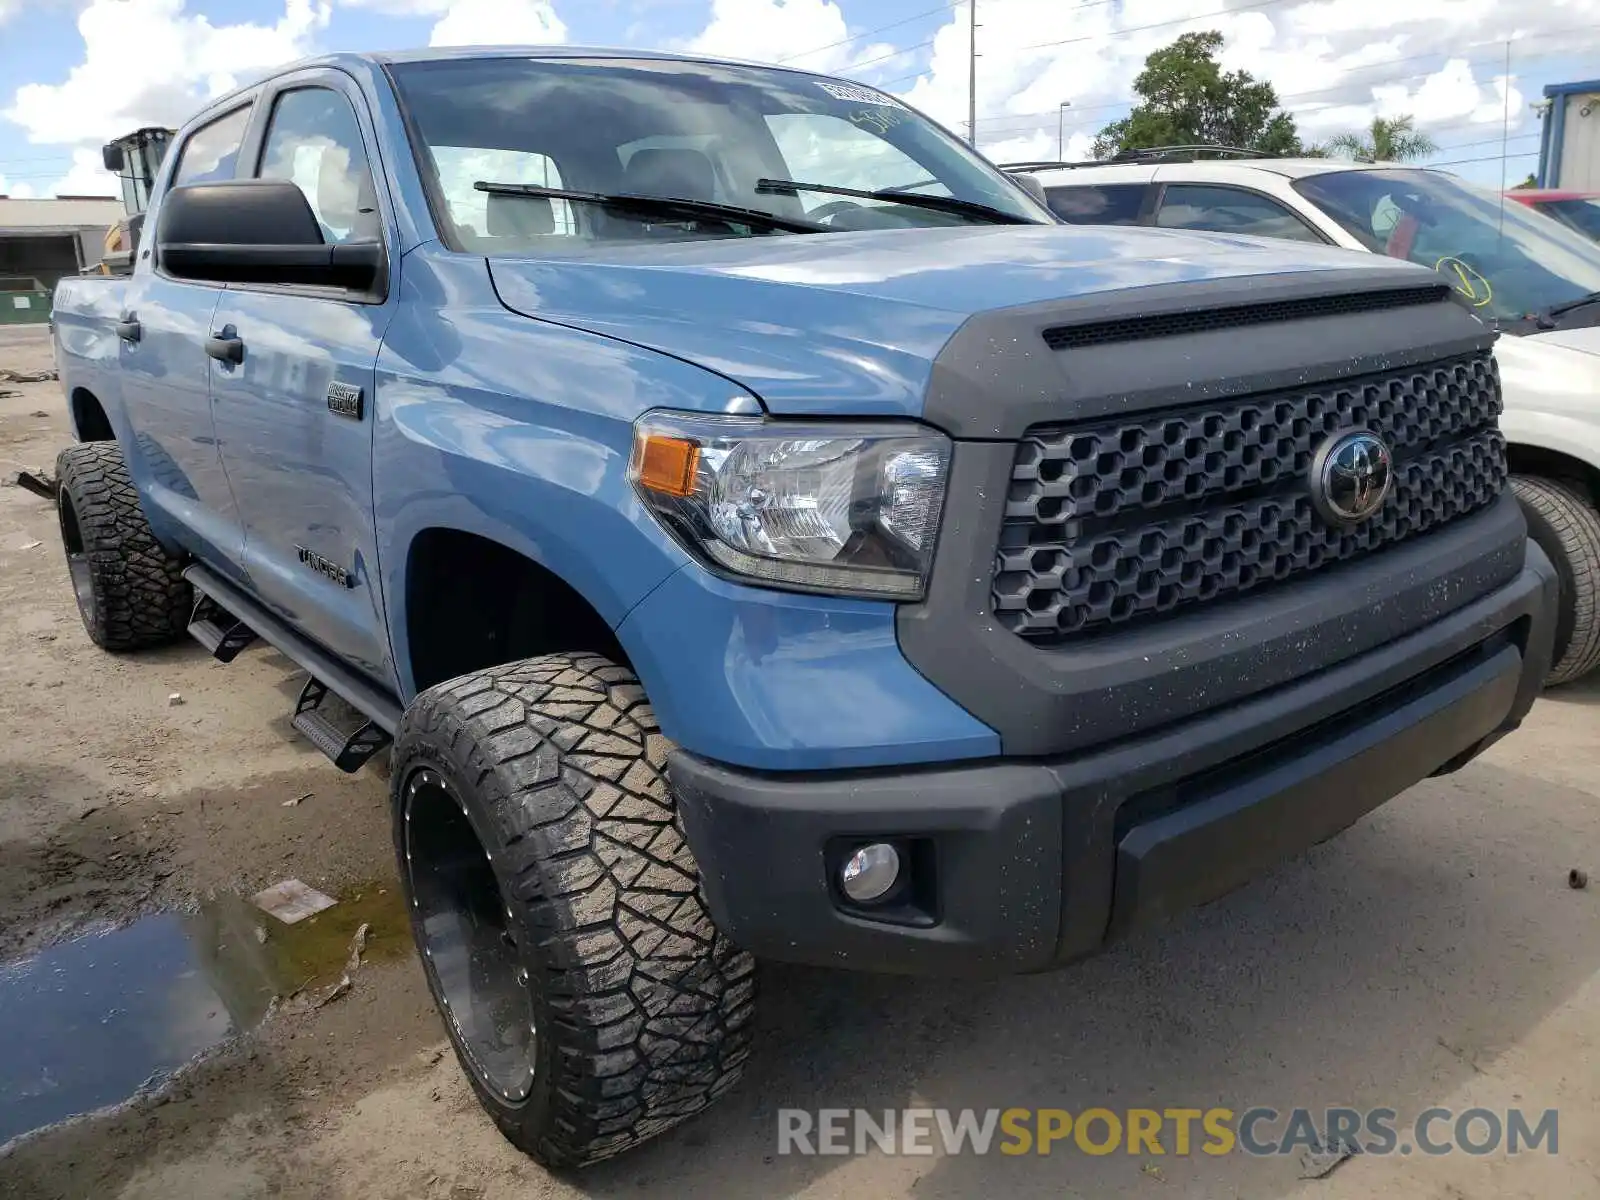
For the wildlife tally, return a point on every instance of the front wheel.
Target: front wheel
(557, 908)
(1563, 521)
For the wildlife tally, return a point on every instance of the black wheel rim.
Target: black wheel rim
(469, 944)
(77, 557)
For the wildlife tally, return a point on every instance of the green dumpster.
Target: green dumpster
(23, 301)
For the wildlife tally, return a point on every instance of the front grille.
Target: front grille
(1122, 520)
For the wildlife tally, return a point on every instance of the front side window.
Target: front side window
(315, 143)
(1506, 262)
(706, 132)
(212, 151)
(1099, 204)
(1229, 210)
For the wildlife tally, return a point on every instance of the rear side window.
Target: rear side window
(1102, 204)
(212, 151)
(1229, 210)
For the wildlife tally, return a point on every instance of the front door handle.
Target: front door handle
(129, 329)
(225, 345)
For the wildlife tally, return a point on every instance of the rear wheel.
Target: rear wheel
(557, 907)
(1563, 521)
(131, 592)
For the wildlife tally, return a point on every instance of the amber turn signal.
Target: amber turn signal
(666, 464)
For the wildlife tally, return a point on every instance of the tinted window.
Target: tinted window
(212, 150)
(683, 130)
(1104, 204)
(1582, 215)
(1505, 260)
(1229, 210)
(314, 142)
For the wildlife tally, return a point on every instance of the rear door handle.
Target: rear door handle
(129, 329)
(225, 345)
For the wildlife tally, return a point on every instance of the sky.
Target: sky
(75, 73)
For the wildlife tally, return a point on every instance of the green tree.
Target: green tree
(1186, 99)
(1387, 139)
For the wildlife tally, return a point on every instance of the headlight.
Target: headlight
(803, 504)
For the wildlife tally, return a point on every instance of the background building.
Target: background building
(42, 240)
(1569, 155)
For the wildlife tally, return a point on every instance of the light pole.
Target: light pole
(1061, 131)
(972, 76)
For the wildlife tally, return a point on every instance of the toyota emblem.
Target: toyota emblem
(1351, 476)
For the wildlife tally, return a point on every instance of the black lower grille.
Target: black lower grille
(1124, 520)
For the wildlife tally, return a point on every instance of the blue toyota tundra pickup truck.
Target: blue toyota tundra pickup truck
(754, 528)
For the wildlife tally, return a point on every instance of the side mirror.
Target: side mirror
(1031, 185)
(258, 231)
(112, 158)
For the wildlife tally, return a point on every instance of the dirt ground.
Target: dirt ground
(1433, 955)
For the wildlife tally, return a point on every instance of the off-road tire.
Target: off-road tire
(643, 1008)
(1562, 519)
(131, 592)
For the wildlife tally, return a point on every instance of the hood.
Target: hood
(850, 323)
(1585, 341)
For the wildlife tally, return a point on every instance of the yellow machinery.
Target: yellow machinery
(134, 159)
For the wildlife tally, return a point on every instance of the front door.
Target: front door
(165, 377)
(294, 413)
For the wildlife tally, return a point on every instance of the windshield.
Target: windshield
(1580, 214)
(688, 130)
(1508, 263)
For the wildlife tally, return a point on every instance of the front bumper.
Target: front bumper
(1019, 865)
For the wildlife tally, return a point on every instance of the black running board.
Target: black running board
(377, 705)
(218, 630)
(349, 749)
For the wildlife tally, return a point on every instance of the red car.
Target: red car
(1580, 210)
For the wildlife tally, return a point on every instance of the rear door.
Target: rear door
(294, 414)
(165, 374)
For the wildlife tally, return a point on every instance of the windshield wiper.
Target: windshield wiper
(681, 207)
(1556, 310)
(949, 204)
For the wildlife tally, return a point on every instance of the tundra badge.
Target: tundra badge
(324, 566)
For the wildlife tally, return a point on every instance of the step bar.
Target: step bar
(381, 709)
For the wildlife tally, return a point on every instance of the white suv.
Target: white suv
(1532, 278)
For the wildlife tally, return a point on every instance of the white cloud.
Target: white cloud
(811, 34)
(154, 62)
(478, 22)
(1335, 63)
(87, 177)
(150, 62)
(16, 191)
(497, 22)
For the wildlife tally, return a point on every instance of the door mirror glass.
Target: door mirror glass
(257, 231)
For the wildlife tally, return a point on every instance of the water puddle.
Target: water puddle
(87, 1023)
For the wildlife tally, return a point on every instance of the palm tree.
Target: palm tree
(1388, 139)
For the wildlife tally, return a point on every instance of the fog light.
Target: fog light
(870, 872)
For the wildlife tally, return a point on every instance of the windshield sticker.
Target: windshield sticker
(878, 120)
(1467, 282)
(857, 95)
